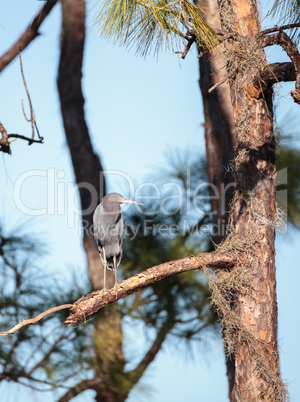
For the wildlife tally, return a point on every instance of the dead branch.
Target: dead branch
(36, 319)
(32, 114)
(27, 37)
(95, 301)
(23, 137)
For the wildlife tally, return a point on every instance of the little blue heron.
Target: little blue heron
(109, 232)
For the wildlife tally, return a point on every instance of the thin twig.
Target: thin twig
(220, 83)
(22, 137)
(32, 115)
(36, 319)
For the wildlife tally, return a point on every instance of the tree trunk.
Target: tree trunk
(219, 142)
(86, 164)
(253, 334)
(109, 359)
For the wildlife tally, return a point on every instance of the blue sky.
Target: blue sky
(136, 110)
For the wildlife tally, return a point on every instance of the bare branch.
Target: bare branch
(27, 37)
(36, 319)
(46, 356)
(22, 137)
(95, 301)
(277, 72)
(277, 29)
(282, 39)
(80, 387)
(32, 114)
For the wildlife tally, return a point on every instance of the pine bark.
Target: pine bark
(219, 142)
(252, 219)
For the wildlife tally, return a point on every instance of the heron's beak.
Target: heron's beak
(124, 201)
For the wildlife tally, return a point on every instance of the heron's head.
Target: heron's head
(115, 197)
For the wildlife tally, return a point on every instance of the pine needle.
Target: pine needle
(151, 24)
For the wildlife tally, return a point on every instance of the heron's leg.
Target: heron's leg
(116, 278)
(104, 274)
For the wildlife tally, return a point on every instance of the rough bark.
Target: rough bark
(253, 217)
(219, 141)
(95, 301)
(219, 127)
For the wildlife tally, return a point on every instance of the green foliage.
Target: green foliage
(289, 13)
(44, 355)
(147, 23)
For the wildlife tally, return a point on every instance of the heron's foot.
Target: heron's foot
(103, 290)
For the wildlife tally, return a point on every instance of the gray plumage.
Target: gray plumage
(109, 231)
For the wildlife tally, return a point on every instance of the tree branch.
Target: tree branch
(30, 33)
(137, 373)
(46, 356)
(36, 319)
(80, 387)
(272, 74)
(282, 39)
(277, 29)
(95, 301)
(23, 137)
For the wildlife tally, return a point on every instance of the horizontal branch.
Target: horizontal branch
(30, 140)
(95, 301)
(277, 29)
(36, 319)
(30, 33)
(270, 75)
(282, 39)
